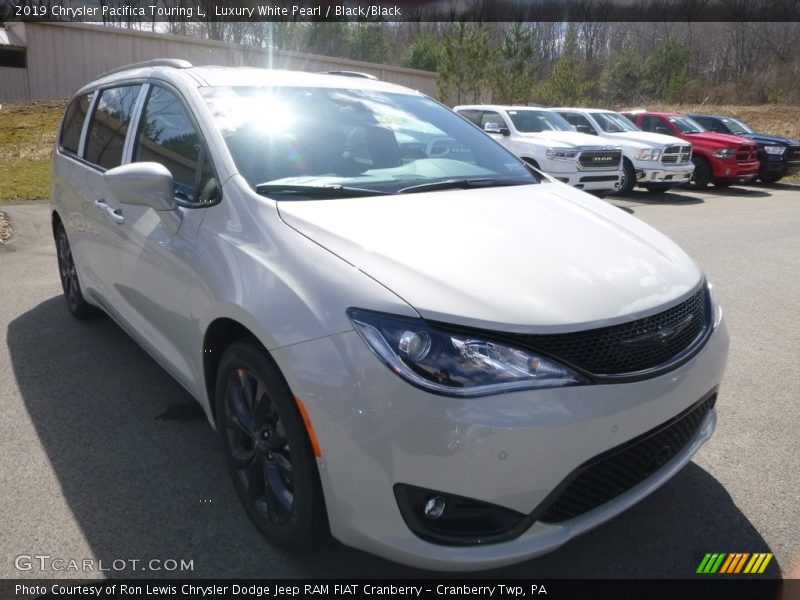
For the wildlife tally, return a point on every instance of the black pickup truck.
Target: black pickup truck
(779, 156)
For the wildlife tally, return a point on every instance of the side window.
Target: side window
(472, 115)
(711, 124)
(73, 122)
(492, 117)
(109, 126)
(579, 122)
(651, 123)
(167, 135)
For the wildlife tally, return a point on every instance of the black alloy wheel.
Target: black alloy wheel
(69, 278)
(268, 452)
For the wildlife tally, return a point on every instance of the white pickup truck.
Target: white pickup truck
(547, 142)
(654, 161)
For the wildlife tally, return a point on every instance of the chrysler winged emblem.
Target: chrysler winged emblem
(660, 335)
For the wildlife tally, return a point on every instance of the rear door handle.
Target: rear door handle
(115, 213)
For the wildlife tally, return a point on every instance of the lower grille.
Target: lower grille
(615, 472)
(634, 346)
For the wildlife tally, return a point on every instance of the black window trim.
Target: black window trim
(84, 128)
(205, 154)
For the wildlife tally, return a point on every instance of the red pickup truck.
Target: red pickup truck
(719, 158)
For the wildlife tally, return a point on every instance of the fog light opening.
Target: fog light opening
(434, 507)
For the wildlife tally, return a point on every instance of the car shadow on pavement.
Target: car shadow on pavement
(673, 196)
(748, 191)
(145, 478)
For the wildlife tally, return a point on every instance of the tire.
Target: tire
(702, 173)
(628, 178)
(658, 188)
(723, 184)
(76, 303)
(269, 455)
(770, 177)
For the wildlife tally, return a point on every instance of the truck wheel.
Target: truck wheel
(702, 173)
(770, 177)
(628, 178)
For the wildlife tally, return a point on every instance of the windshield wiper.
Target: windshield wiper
(318, 191)
(461, 184)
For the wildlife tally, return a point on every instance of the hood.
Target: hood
(652, 140)
(709, 137)
(570, 139)
(537, 258)
(763, 138)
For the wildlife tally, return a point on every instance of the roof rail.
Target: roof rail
(175, 63)
(351, 74)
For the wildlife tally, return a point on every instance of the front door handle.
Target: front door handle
(115, 213)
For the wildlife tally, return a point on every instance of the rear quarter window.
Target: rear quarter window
(74, 119)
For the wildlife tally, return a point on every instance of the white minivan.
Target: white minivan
(405, 336)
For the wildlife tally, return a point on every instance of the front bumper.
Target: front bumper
(511, 450)
(736, 171)
(590, 181)
(663, 174)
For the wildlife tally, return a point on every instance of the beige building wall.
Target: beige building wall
(63, 57)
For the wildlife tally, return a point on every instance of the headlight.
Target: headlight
(775, 149)
(561, 153)
(453, 363)
(725, 152)
(648, 154)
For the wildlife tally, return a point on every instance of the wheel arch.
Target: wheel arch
(218, 336)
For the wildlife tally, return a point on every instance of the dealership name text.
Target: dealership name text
(200, 591)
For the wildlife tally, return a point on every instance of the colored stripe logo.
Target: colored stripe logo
(734, 563)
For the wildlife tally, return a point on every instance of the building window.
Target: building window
(15, 58)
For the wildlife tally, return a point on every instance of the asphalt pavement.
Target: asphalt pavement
(104, 457)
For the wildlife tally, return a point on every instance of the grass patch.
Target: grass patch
(27, 134)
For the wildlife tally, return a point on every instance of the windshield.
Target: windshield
(295, 139)
(534, 121)
(614, 122)
(735, 126)
(686, 124)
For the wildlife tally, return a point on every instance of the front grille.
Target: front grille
(633, 346)
(747, 152)
(793, 153)
(615, 472)
(676, 154)
(600, 159)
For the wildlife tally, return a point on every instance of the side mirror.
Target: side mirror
(143, 184)
(496, 129)
(585, 129)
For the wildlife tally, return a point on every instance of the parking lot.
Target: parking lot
(104, 456)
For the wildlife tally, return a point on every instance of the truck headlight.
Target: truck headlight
(776, 150)
(725, 152)
(561, 153)
(648, 154)
(453, 363)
